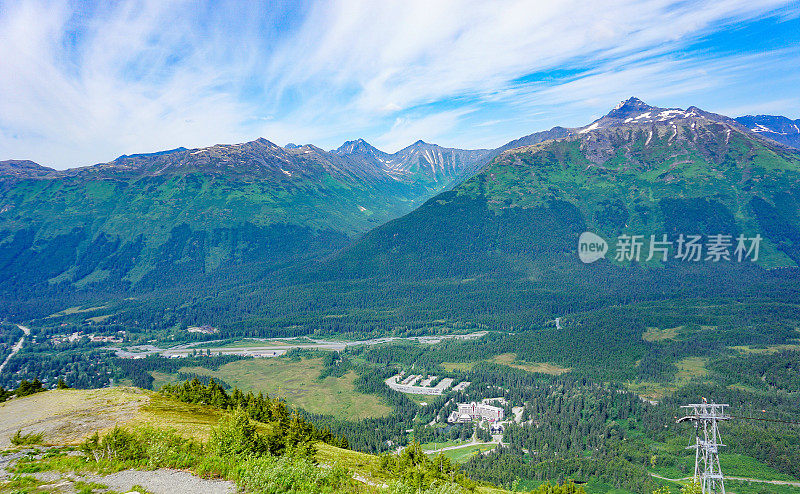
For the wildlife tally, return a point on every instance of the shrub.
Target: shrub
(119, 445)
(446, 488)
(28, 388)
(417, 471)
(19, 439)
(145, 447)
(693, 488)
(565, 488)
(237, 436)
(287, 474)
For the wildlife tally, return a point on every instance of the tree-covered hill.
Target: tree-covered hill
(175, 217)
(201, 241)
(637, 171)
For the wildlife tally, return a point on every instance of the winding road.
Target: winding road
(16, 347)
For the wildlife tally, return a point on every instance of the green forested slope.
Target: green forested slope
(173, 219)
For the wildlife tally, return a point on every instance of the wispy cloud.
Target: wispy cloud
(85, 83)
(406, 130)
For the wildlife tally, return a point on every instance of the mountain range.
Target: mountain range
(777, 128)
(194, 209)
(472, 258)
(242, 214)
(637, 170)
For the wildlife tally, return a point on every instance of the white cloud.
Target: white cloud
(418, 52)
(407, 130)
(768, 107)
(138, 76)
(118, 90)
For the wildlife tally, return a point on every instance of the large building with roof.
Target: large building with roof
(469, 412)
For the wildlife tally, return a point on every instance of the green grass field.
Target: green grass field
(737, 465)
(658, 334)
(510, 359)
(362, 464)
(69, 416)
(76, 310)
(690, 368)
(738, 487)
(187, 419)
(596, 487)
(162, 378)
(766, 348)
(458, 366)
(297, 383)
(443, 444)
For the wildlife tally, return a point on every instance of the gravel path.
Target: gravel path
(164, 482)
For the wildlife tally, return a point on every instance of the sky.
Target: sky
(85, 82)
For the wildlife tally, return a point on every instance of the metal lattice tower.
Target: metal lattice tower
(707, 471)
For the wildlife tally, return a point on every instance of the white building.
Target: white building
(468, 412)
(409, 384)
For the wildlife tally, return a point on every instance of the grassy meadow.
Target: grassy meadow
(298, 383)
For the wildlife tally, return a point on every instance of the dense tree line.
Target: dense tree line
(25, 388)
(257, 407)
(374, 435)
(83, 369)
(138, 370)
(206, 380)
(780, 370)
(505, 468)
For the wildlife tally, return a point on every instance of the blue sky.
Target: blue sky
(85, 82)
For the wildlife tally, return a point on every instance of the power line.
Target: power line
(765, 420)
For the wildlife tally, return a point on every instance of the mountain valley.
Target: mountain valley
(298, 250)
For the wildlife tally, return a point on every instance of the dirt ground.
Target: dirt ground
(68, 416)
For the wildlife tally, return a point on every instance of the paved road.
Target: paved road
(267, 350)
(745, 479)
(16, 347)
(463, 445)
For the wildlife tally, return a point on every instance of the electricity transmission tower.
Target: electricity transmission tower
(707, 472)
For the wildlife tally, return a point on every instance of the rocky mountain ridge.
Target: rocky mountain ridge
(777, 128)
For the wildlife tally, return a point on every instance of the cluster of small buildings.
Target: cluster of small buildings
(73, 337)
(477, 412)
(421, 385)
